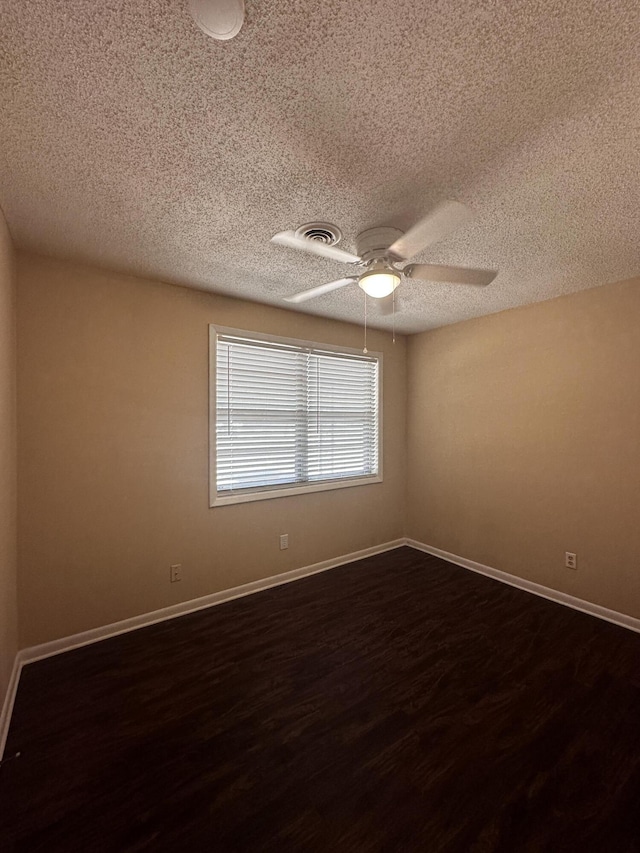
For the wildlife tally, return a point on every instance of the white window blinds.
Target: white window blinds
(289, 414)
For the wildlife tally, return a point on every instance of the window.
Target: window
(289, 417)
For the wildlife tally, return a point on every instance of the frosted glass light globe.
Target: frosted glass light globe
(379, 283)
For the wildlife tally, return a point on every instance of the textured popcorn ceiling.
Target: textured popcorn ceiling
(130, 140)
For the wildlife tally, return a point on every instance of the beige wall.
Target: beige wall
(522, 434)
(113, 476)
(524, 442)
(8, 599)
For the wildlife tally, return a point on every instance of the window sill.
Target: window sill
(288, 491)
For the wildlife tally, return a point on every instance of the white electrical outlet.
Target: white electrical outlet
(175, 572)
(284, 541)
(570, 560)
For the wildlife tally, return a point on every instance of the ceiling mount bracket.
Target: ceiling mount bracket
(219, 19)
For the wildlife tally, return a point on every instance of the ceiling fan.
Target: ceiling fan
(382, 250)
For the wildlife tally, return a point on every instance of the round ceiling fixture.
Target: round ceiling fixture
(322, 232)
(220, 19)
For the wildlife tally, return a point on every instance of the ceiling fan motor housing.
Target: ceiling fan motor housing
(373, 244)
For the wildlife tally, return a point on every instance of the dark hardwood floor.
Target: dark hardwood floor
(395, 704)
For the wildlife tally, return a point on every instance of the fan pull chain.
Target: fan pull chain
(393, 297)
(365, 350)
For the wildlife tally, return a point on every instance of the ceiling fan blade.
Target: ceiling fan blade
(442, 220)
(315, 247)
(320, 290)
(450, 275)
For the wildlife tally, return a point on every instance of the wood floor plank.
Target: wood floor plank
(396, 704)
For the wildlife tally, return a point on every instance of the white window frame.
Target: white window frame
(270, 492)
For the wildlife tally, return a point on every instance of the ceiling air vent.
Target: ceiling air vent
(323, 232)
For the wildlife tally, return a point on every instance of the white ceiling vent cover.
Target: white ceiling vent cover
(220, 19)
(323, 232)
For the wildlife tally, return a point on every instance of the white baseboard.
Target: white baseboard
(74, 641)
(65, 644)
(7, 705)
(621, 619)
